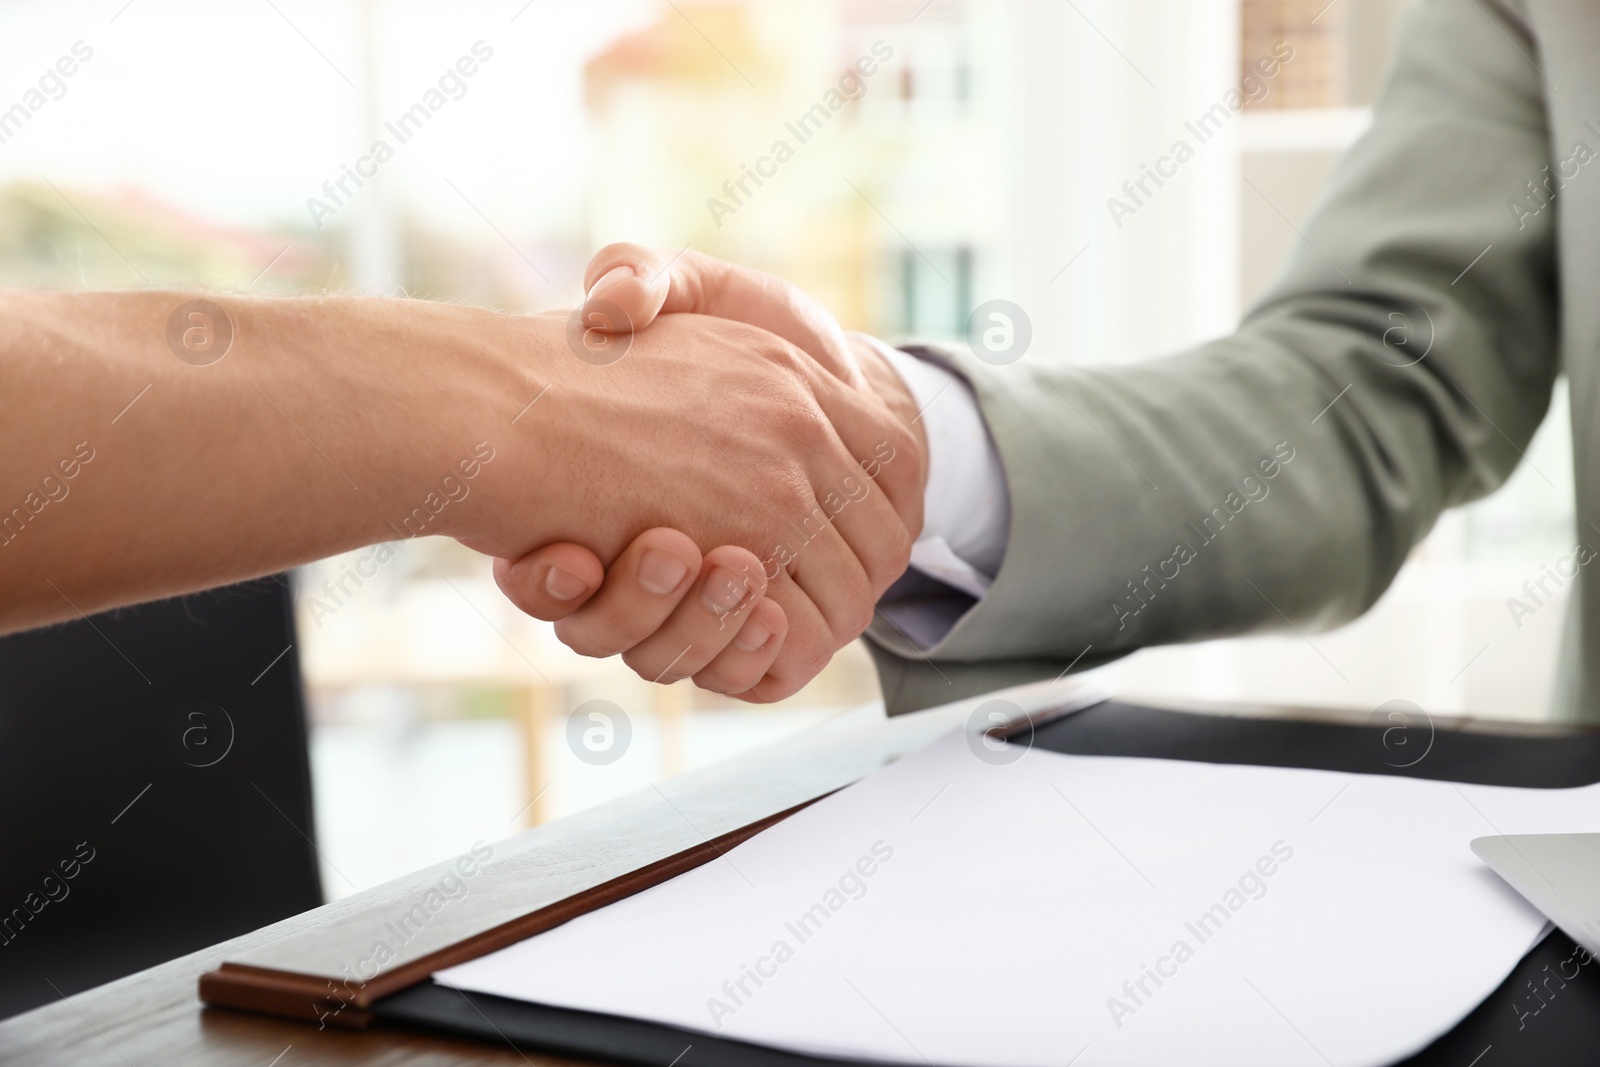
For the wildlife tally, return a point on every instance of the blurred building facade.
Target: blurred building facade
(782, 147)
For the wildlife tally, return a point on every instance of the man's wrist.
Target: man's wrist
(490, 472)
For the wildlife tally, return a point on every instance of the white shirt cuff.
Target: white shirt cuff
(967, 515)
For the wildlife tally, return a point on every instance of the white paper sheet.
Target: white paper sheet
(1055, 911)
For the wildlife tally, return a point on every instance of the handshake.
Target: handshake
(736, 480)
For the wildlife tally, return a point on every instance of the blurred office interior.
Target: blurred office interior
(976, 162)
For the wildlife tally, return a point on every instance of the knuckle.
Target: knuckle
(524, 602)
(516, 592)
(665, 661)
(766, 691)
(904, 449)
(808, 665)
(901, 559)
(772, 689)
(903, 437)
(645, 664)
(700, 265)
(852, 624)
(714, 679)
(791, 495)
(889, 565)
(798, 422)
(788, 359)
(583, 640)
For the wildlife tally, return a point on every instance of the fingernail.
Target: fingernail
(608, 279)
(751, 636)
(563, 585)
(660, 573)
(723, 590)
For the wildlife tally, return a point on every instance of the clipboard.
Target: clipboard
(382, 941)
(1553, 1030)
(1558, 1026)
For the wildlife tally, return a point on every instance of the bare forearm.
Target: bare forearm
(134, 468)
(333, 423)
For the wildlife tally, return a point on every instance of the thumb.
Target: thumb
(625, 287)
(629, 285)
(551, 582)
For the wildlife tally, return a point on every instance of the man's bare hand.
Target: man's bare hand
(630, 287)
(671, 612)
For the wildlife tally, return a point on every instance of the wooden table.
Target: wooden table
(154, 1017)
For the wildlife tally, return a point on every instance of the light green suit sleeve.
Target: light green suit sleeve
(1283, 473)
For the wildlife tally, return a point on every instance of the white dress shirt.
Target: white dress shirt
(968, 508)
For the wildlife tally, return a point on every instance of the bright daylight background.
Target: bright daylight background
(977, 166)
